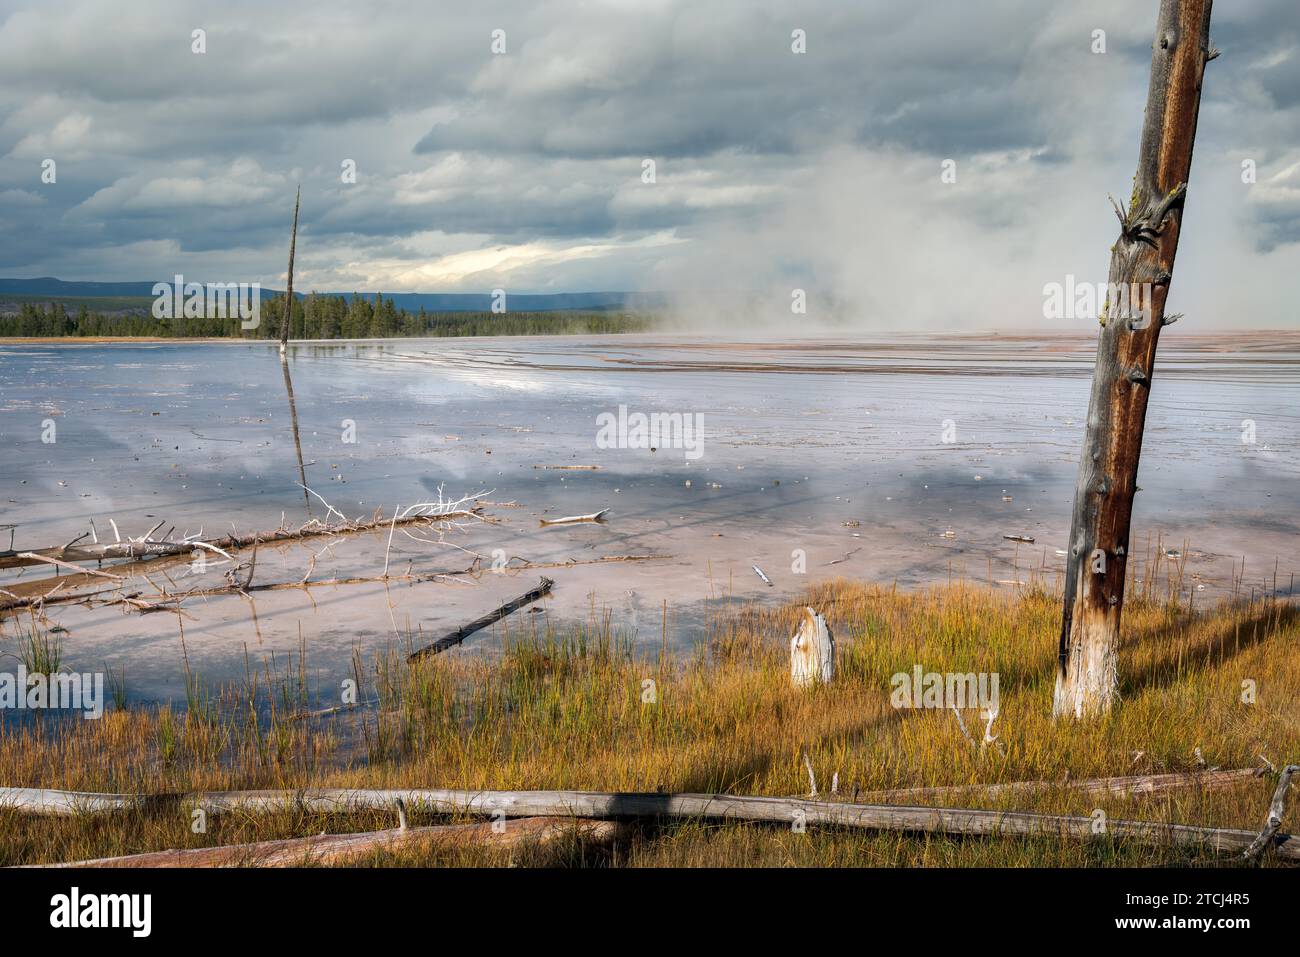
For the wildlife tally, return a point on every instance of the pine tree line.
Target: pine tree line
(318, 317)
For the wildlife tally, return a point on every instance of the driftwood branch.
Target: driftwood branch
(618, 806)
(1276, 808)
(33, 558)
(464, 631)
(596, 517)
(131, 549)
(426, 513)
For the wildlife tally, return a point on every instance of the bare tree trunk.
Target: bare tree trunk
(287, 318)
(1141, 265)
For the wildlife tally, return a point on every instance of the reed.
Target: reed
(40, 650)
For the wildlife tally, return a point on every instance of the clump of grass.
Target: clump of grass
(116, 685)
(40, 650)
(582, 709)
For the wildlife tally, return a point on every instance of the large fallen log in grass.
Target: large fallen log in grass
(1133, 785)
(322, 849)
(722, 807)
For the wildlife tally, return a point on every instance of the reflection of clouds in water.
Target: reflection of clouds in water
(859, 444)
(501, 377)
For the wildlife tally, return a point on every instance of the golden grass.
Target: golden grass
(568, 712)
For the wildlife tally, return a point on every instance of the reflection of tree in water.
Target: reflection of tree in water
(297, 441)
(286, 321)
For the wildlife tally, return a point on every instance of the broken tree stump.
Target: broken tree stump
(812, 651)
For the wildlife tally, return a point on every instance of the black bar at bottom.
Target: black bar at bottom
(655, 907)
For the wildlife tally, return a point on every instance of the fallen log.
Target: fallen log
(723, 807)
(1128, 786)
(97, 552)
(336, 848)
(464, 631)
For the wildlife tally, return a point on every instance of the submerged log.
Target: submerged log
(720, 807)
(464, 631)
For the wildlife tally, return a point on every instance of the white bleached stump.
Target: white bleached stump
(812, 651)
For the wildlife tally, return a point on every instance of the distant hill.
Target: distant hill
(47, 288)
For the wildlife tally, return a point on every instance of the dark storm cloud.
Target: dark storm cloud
(171, 161)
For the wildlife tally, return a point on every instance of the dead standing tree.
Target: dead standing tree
(1141, 265)
(286, 320)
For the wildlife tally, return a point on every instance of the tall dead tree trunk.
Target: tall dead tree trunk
(1141, 266)
(287, 319)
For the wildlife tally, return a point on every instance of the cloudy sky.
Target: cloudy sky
(525, 169)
